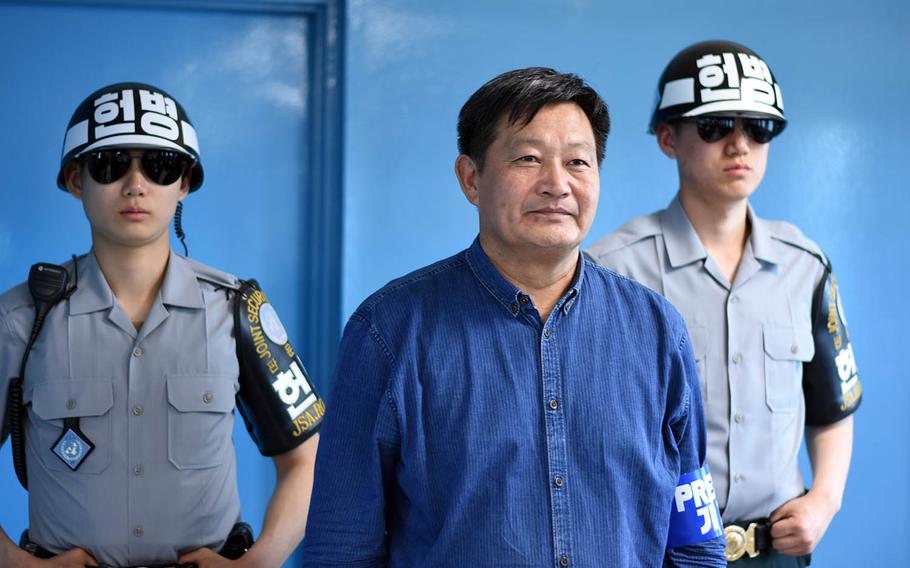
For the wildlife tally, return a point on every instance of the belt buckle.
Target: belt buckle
(739, 542)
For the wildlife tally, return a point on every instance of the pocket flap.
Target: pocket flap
(201, 393)
(787, 343)
(53, 400)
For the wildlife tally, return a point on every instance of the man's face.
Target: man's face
(539, 185)
(131, 211)
(724, 171)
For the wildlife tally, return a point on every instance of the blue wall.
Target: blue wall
(837, 171)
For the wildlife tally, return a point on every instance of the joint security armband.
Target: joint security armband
(277, 401)
(694, 515)
(831, 384)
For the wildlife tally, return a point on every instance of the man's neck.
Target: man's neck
(545, 276)
(722, 227)
(134, 274)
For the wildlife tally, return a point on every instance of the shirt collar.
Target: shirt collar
(680, 239)
(92, 292)
(683, 245)
(504, 291)
(764, 247)
(180, 287)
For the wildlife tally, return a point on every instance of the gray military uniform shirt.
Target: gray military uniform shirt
(750, 338)
(156, 403)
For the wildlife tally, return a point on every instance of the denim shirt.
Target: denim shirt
(463, 430)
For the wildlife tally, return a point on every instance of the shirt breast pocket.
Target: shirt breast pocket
(199, 419)
(786, 349)
(89, 400)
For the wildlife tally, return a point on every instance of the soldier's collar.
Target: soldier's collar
(93, 293)
(180, 287)
(680, 239)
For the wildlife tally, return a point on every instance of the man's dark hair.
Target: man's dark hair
(519, 95)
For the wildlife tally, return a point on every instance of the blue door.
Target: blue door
(258, 82)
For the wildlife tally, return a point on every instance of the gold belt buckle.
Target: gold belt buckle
(739, 542)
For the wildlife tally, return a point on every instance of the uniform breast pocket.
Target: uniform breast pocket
(786, 349)
(89, 400)
(699, 335)
(200, 419)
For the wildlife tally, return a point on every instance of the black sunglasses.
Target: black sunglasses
(714, 128)
(163, 167)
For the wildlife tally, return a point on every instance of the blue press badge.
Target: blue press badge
(694, 515)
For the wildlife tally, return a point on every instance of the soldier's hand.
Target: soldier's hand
(208, 558)
(799, 524)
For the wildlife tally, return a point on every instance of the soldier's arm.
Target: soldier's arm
(799, 525)
(285, 517)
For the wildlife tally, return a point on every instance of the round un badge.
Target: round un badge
(271, 325)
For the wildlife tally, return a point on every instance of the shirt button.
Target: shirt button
(138, 531)
(137, 352)
(137, 410)
(523, 299)
(558, 481)
(546, 332)
(207, 397)
(739, 418)
(734, 299)
(738, 358)
(70, 404)
(514, 309)
(794, 349)
(138, 469)
(553, 404)
(738, 477)
(563, 560)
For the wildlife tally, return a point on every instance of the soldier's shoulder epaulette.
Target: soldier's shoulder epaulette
(629, 233)
(790, 235)
(218, 278)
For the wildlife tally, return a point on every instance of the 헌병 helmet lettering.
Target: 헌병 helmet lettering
(130, 115)
(719, 78)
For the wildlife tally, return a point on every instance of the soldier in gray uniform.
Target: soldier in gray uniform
(760, 302)
(124, 366)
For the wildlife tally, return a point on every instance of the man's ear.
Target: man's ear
(72, 178)
(185, 185)
(467, 171)
(666, 139)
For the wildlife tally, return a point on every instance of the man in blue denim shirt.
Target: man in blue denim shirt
(517, 405)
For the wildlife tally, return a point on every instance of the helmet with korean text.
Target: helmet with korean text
(131, 115)
(721, 78)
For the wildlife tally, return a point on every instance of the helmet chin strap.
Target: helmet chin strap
(178, 227)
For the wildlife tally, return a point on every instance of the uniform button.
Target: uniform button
(739, 418)
(137, 410)
(563, 560)
(738, 477)
(558, 481)
(137, 352)
(738, 358)
(138, 469)
(794, 349)
(138, 531)
(546, 332)
(553, 404)
(70, 404)
(207, 397)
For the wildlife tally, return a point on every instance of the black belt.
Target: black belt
(748, 537)
(238, 542)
